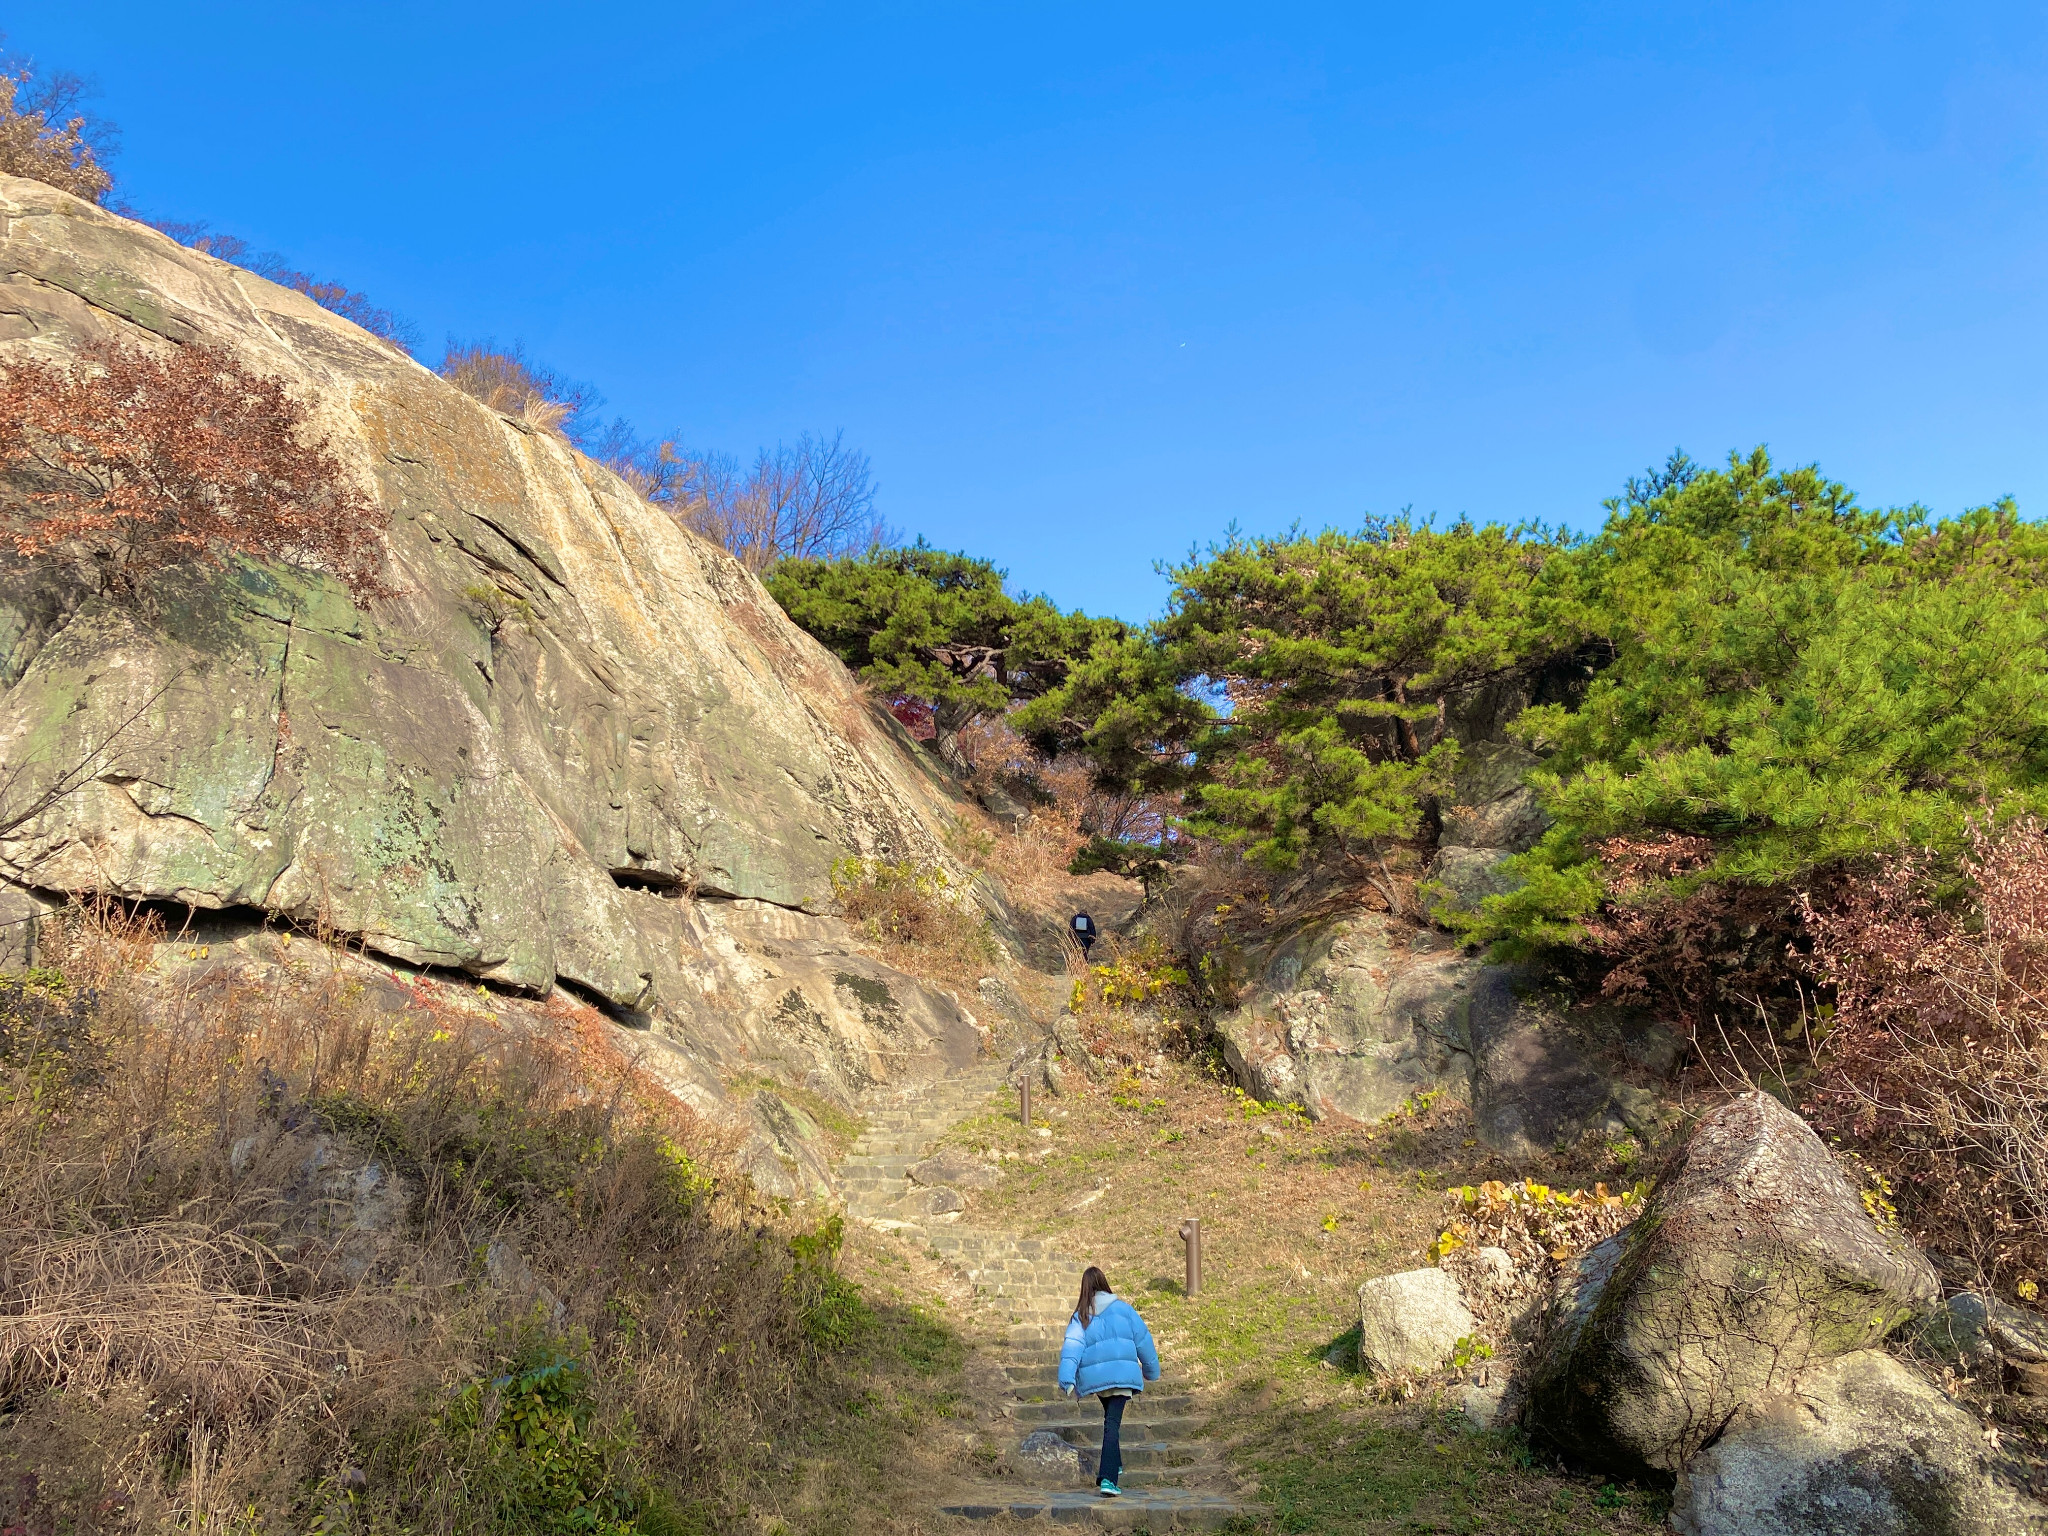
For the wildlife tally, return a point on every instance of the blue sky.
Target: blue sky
(1091, 283)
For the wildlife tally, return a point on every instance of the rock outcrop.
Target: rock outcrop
(578, 746)
(1752, 1261)
(1355, 1013)
(1493, 816)
(1862, 1447)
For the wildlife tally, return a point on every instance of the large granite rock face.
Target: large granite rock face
(575, 741)
(1752, 1261)
(1862, 1447)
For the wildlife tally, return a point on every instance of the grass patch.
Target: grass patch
(1336, 1469)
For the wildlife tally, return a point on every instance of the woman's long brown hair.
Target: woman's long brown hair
(1093, 1283)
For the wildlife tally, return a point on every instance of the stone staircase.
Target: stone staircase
(1170, 1475)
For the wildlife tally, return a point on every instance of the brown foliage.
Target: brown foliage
(336, 298)
(813, 500)
(141, 460)
(1711, 954)
(1936, 1061)
(32, 144)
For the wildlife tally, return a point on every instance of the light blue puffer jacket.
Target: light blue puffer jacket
(1112, 1352)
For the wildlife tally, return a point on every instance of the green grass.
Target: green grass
(1334, 1469)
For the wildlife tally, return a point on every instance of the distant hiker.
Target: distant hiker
(1084, 932)
(1108, 1354)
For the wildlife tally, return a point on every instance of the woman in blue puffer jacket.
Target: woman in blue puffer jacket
(1109, 1355)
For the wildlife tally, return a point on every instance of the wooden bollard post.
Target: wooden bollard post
(1191, 1234)
(1024, 1105)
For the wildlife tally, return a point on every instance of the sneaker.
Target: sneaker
(1108, 1489)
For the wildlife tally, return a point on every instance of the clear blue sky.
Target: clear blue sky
(1089, 283)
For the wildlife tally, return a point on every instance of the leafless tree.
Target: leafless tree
(814, 499)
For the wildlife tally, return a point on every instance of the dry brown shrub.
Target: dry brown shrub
(1936, 1060)
(918, 917)
(1067, 807)
(140, 460)
(190, 1304)
(511, 383)
(1714, 953)
(54, 152)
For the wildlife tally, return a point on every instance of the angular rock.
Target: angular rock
(1045, 1454)
(1752, 1261)
(1352, 1015)
(1971, 1328)
(1411, 1321)
(953, 1166)
(1533, 1088)
(1468, 876)
(938, 1201)
(1861, 1447)
(1493, 816)
(1481, 1404)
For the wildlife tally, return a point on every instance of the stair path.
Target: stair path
(1035, 1285)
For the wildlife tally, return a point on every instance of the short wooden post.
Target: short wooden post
(1024, 1105)
(1191, 1235)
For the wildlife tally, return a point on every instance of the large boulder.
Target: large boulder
(1861, 1447)
(1353, 1014)
(1411, 1321)
(579, 746)
(1753, 1260)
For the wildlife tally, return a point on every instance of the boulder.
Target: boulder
(1411, 1321)
(1492, 817)
(1860, 1447)
(1353, 1014)
(1481, 1405)
(1752, 1261)
(1533, 1086)
(936, 1201)
(1972, 1329)
(1044, 1454)
(955, 1167)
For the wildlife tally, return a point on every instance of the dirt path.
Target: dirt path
(1173, 1478)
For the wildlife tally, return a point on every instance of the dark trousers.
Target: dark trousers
(1111, 1466)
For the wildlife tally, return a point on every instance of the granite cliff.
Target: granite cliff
(578, 747)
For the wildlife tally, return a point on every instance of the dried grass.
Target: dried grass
(204, 1324)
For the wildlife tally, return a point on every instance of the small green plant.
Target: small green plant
(548, 1465)
(1469, 1351)
(496, 607)
(1412, 1107)
(1251, 1108)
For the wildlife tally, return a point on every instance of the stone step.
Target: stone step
(1152, 1509)
(1087, 1432)
(1145, 1408)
